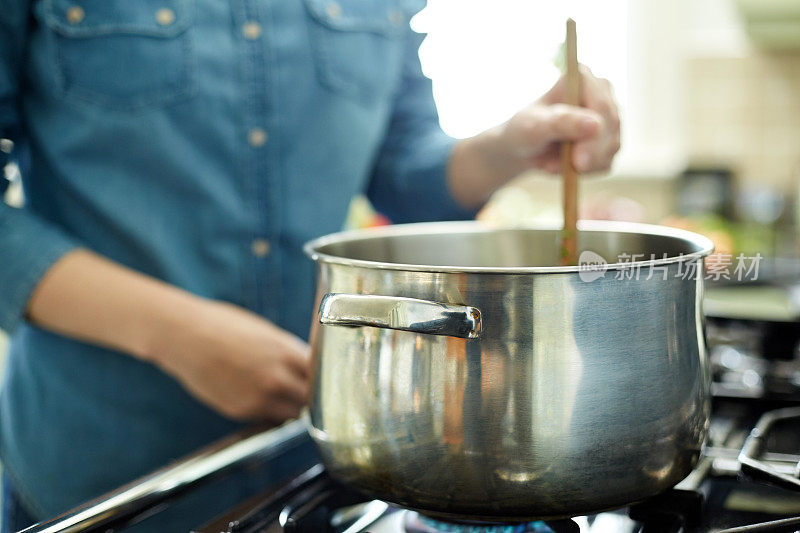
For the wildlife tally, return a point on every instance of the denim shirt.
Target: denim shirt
(200, 142)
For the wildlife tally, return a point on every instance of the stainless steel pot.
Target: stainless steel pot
(459, 372)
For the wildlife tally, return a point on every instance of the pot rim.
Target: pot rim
(312, 247)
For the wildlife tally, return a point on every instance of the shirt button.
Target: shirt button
(257, 137)
(165, 16)
(334, 10)
(75, 14)
(251, 30)
(260, 247)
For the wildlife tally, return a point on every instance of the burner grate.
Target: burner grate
(672, 510)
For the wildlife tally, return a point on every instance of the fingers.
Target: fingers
(295, 353)
(282, 411)
(288, 386)
(298, 356)
(273, 393)
(557, 93)
(281, 375)
(284, 384)
(595, 156)
(549, 160)
(537, 131)
(598, 95)
(277, 410)
(561, 122)
(591, 153)
(552, 166)
(241, 365)
(594, 128)
(283, 399)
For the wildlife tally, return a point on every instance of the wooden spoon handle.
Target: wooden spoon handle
(569, 237)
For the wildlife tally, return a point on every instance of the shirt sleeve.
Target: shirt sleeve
(28, 245)
(409, 180)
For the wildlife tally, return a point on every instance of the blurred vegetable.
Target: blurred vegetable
(362, 215)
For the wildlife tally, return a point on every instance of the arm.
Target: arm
(28, 245)
(422, 173)
(236, 362)
(409, 180)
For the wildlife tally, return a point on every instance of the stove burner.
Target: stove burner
(755, 444)
(417, 523)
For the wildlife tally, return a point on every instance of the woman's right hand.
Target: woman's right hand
(238, 363)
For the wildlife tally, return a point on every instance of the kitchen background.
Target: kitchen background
(711, 85)
(709, 92)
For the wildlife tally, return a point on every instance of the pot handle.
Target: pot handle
(407, 314)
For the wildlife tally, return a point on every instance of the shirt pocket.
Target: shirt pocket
(121, 54)
(358, 45)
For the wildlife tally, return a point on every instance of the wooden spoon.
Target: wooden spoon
(569, 235)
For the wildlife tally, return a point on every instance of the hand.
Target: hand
(531, 139)
(534, 134)
(233, 360)
(238, 363)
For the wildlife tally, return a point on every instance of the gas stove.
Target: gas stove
(747, 480)
(720, 495)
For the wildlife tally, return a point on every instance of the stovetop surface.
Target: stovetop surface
(756, 369)
(721, 501)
